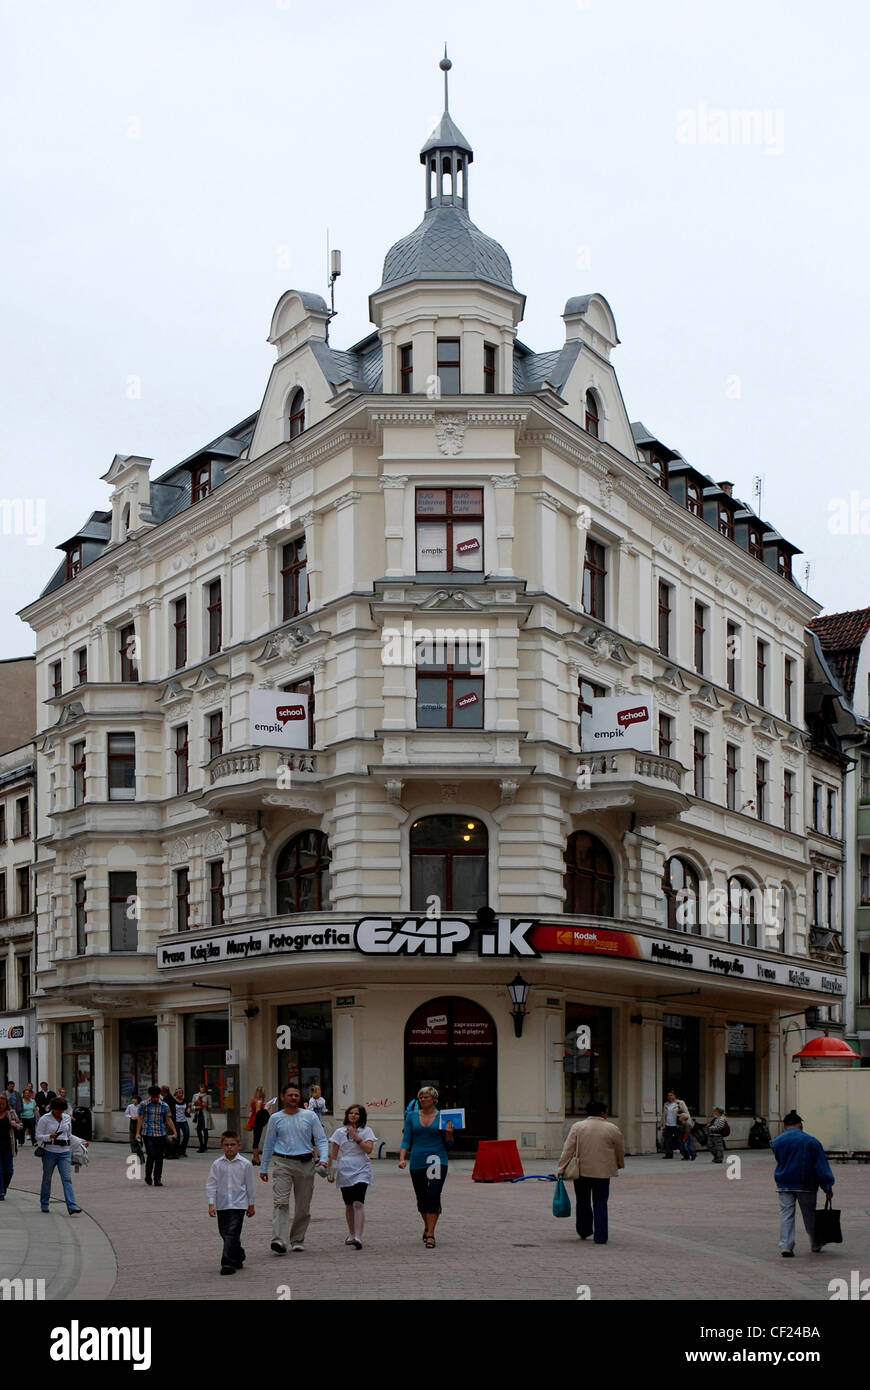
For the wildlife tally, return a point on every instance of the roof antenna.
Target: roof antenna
(808, 570)
(757, 484)
(333, 261)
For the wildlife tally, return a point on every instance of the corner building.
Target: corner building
(441, 547)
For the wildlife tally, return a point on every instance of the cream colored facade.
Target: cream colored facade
(347, 485)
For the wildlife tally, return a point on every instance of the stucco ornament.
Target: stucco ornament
(450, 433)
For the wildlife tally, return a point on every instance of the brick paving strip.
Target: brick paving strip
(681, 1232)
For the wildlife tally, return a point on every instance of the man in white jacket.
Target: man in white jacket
(675, 1114)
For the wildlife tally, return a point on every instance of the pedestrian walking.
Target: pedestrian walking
(44, 1097)
(9, 1123)
(14, 1098)
(131, 1115)
(29, 1115)
(291, 1136)
(718, 1130)
(427, 1146)
(54, 1136)
(317, 1103)
(201, 1105)
(152, 1125)
(350, 1147)
(801, 1169)
(181, 1113)
(593, 1153)
(672, 1111)
(229, 1188)
(258, 1119)
(687, 1152)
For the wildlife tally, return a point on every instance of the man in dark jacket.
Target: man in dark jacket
(801, 1169)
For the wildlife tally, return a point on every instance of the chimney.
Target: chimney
(727, 487)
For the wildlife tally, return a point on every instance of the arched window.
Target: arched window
(591, 414)
(680, 890)
(776, 919)
(589, 876)
(449, 859)
(125, 521)
(742, 912)
(302, 874)
(296, 413)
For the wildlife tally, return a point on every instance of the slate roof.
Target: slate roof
(447, 246)
(841, 636)
(532, 369)
(446, 136)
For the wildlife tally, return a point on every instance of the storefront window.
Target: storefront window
(206, 1039)
(137, 1057)
(681, 1059)
(587, 1070)
(740, 1069)
(308, 1060)
(77, 1062)
(449, 862)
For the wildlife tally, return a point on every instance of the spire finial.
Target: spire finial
(445, 65)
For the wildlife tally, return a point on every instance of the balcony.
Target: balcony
(252, 779)
(826, 945)
(642, 782)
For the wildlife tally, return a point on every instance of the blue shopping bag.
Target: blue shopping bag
(561, 1200)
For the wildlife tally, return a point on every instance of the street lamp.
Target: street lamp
(518, 989)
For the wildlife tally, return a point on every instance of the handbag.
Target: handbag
(561, 1200)
(38, 1150)
(827, 1225)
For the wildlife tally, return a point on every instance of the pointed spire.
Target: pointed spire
(446, 135)
(445, 65)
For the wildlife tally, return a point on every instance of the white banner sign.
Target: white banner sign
(623, 722)
(13, 1032)
(278, 719)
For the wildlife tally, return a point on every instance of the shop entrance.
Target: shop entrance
(681, 1059)
(450, 1043)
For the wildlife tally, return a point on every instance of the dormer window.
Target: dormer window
(591, 415)
(694, 502)
(296, 414)
(448, 366)
(662, 465)
(490, 361)
(783, 564)
(201, 482)
(125, 522)
(726, 521)
(754, 543)
(406, 369)
(73, 561)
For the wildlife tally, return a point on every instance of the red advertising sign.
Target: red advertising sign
(469, 699)
(632, 716)
(591, 941)
(287, 712)
(464, 547)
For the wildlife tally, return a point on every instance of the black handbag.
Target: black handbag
(827, 1227)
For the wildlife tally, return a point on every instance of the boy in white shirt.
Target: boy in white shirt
(132, 1115)
(229, 1188)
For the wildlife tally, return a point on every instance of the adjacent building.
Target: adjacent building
(17, 853)
(435, 723)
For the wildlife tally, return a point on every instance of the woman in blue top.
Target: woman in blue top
(427, 1144)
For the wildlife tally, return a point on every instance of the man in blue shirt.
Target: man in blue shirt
(291, 1136)
(801, 1169)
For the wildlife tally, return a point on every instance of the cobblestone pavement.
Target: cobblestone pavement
(685, 1231)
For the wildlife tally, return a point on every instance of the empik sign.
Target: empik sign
(622, 722)
(278, 720)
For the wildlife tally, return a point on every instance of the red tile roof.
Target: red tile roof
(841, 635)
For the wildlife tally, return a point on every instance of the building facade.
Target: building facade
(325, 755)
(17, 915)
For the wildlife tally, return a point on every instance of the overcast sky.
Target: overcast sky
(169, 169)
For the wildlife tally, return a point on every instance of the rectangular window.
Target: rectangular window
(587, 1070)
(179, 630)
(406, 369)
(490, 363)
(24, 982)
(818, 900)
(23, 878)
(700, 761)
(3, 908)
(788, 800)
(864, 880)
(700, 627)
(200, 482)
(3, 823)
(215, 735)
(80, 898)
(732, 655)
(449, 524)
(121, 760)
(732, 755)
(182, 764)
(22, 817)
(216, 891)
(448, 366)
(865, 777)
(81, 665)
(833, 914)
(588, 693)
(56, 678)
(832, 812)
(213, 593)
(818, 792)
(864, 978)
(294, 579)
(182, 899)
(73, 561)
(78, 772)
(665, 596)
(594, 577)
(304, 687)
(666, 736)
(789, 688)
(123, 912)
(128, 653)
(740, 1069)
(761, 775)
(450, 685)
(761, 673)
